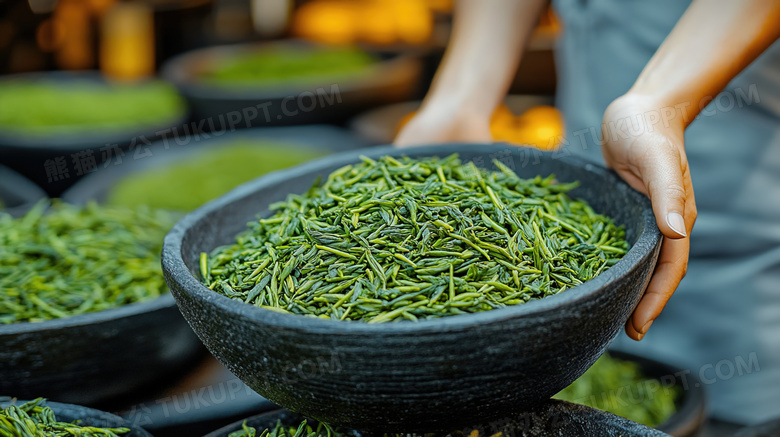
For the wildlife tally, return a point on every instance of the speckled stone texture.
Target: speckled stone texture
(88, 358)
(552, 418)
(89, 417)
(431, 375)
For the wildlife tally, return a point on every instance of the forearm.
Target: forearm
(485, 47)
(712, 43)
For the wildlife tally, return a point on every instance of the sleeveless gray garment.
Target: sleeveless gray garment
(723, 323)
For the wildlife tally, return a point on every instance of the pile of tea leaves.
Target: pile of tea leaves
(65, 260)
(192, 181)
(274, 65)
(280, 430)
(397, 239)
(35, 419)
(46, 106)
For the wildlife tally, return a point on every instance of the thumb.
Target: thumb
(662, 172)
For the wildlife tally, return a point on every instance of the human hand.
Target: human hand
(438, 123)
(652, 160)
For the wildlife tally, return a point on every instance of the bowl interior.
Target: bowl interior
(218, 222)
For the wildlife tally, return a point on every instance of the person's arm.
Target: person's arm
(485, 47)
(712, 42)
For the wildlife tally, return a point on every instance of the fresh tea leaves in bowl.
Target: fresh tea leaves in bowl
(46, 106)
(275, 65)
(34, 418)
(193, 181)
(620, 387)
(398, 239)
(68, 260)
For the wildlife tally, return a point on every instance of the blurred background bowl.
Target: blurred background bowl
(691, 405)
(559, 418)
(393, 77)
(28, 150)
(96, 357)
(293, 145)
(88, 417)
(424, 376)
(17, 193)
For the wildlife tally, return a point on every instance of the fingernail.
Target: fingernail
(645, 328)
(677, 223)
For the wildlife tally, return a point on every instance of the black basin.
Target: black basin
(558, 418)
(95, 357)
(691, 406)
(17, 193)
(28, 153)
(89, 358)
(217, 107)
(424, 376)
(89, 417)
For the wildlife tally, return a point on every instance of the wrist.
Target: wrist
(656, 107)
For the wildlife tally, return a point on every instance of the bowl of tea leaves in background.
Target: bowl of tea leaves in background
(85, 314)
(17, 193)
(552, 417)
(412, 376)
(47, 118)
(644, 391)
(41, 417)
(288, 82)
(184, 178)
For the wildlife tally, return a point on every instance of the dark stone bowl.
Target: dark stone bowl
(95, 357)
(323, 138)
(691, 407)
(217, 107)
(89, 417)
(424, 376)
(27, 153)
(558, 418)
(90, 358)
(17, 193)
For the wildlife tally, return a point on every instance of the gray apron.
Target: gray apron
(723, 323)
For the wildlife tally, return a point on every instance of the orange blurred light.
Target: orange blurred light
(127, 46)
(49, 35)
(75, 49)
(541, 126)
(331, 22)
(374, 21)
